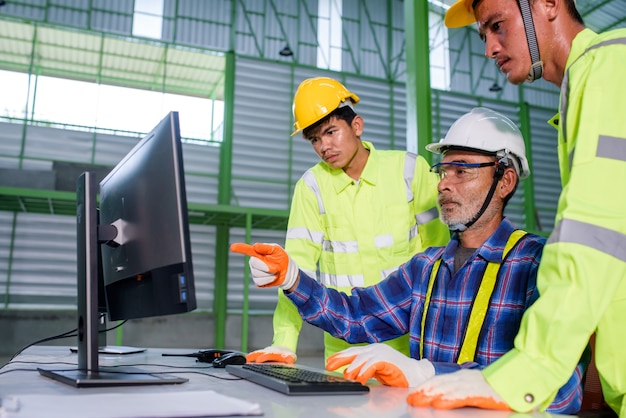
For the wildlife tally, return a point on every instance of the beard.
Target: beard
(462, 209)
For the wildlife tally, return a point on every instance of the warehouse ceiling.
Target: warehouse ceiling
(153, 65)
(121, 61)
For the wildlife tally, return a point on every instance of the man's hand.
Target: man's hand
(383, 363)
(466, 387)
(273, 353)
(270, 265)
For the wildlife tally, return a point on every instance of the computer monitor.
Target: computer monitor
(136, 247)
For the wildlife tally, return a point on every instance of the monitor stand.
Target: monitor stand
(89, 374)
(115, 349)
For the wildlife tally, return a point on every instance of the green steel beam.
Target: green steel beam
(246, 292)
(223, 198)
(419, 106)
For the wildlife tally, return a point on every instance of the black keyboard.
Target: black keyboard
(297, 379)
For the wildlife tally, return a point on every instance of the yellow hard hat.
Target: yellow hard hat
(316, 98)
(460, 14)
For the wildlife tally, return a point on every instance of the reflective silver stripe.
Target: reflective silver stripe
(425, 217)
(340, 246)
(409, 172)
(562, 119)
(342, 280)
(611, 147)
(602, 239)
(305, 233)
(387, 272)
(310, 273)
(383, 241)
(311, 182)
(413, 232)
(608, 42)
(564, 102)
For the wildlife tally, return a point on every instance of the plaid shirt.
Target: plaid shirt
(395, 306)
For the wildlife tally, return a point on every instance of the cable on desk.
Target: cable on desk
(67, 334)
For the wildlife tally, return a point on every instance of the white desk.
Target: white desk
(382, 401)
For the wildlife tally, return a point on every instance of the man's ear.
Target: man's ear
(551, 8)
(357, 125)
(507, 182)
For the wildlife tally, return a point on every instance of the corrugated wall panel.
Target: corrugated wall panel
(398, 103)
(110, 149)
(78, 16)
(376, 108)
(58, 144)
(545, 167)
(201, 172)
(261, 134)
(204, 23)
(6, 232)
(11, 139)
(43, 271)
(203, 258)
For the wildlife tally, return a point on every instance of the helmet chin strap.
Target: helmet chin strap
(496, 178)
(536, 68)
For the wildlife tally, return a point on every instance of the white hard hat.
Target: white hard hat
(487, 131)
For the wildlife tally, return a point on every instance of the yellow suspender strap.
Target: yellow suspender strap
(480, 305)
(431, 282)
(481, 302)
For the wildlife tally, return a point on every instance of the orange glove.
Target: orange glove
(270, 265)
(466, 387)
(381, 362)
(273, 353)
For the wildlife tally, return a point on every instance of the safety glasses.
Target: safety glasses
(456, 172)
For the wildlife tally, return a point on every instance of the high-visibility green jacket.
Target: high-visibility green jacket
(582, 275)
(353, 234)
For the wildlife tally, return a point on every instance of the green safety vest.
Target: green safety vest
(582, 275)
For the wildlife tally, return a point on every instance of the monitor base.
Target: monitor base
(104, 378)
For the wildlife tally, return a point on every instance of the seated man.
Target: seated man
(461, 304)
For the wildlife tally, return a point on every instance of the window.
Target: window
(329, 34)
(148, 18)
(439, 52)
(14, 88)
(90, 105)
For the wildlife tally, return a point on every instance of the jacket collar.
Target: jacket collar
(581, 42)
(370, 174)
(490, 250)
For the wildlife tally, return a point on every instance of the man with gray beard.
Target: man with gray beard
(460, 304)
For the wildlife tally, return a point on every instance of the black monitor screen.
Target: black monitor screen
(147, 267)
(136, 248)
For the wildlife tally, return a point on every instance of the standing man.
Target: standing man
(461, 304)
(582, 276)
(356, 215)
